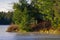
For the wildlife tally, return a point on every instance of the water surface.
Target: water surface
(31, 36)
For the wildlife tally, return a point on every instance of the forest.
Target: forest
(34, 15)
(43, 14)
(6, 18)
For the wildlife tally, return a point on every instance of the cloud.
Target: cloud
(8, 1)
(5, 5)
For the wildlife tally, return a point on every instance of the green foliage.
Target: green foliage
(49, 8)
(21, 16)
(26, 13)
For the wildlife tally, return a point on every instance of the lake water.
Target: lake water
(31, 36)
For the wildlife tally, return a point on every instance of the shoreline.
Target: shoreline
(47, 32)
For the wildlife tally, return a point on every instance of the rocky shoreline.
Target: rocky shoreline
(14, 28)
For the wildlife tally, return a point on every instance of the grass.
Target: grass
(50, 31)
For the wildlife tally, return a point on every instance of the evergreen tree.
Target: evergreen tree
(26, 13)
(21, 16)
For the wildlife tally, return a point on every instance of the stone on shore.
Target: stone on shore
(12, 28)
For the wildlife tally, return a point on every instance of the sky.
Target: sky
(6, 5)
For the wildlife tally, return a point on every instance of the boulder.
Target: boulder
(12, 28)
(43, 25)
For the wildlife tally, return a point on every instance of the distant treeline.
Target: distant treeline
(6, 18)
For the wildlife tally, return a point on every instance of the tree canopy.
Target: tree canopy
(31, 13)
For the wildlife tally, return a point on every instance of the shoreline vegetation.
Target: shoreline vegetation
(14, 28)
(40, 16)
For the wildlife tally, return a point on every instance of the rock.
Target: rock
(43, 25)
(12, 28)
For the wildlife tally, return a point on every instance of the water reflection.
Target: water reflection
(27, 36)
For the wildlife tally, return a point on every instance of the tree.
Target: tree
(21, 16)
(32, 13)
(50, 10)
(6, 18)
